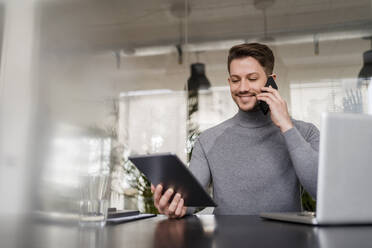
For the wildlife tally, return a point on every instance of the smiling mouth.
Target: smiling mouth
(250, 95)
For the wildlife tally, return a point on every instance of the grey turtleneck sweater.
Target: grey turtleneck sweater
(254, 167)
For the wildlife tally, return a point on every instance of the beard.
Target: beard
(255, 108)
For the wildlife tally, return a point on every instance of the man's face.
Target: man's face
(247, 77)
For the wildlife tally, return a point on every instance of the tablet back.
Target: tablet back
(168, 170)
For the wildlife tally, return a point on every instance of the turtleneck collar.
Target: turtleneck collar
(252, 119)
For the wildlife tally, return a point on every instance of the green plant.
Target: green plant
(308, 203)
(192, 127)
(139, 182)
(135, 179)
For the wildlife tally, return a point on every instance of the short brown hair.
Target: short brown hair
(262, 53)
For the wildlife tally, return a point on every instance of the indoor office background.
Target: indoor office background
(86, 83)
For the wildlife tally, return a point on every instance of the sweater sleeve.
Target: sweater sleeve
(199, 167)
(304, 153)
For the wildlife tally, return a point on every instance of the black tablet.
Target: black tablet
(168, 170)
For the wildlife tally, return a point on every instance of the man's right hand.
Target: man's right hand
(174, 209)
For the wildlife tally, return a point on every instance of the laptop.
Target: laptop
(344, 173)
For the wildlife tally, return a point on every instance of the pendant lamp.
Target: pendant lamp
(198, 80)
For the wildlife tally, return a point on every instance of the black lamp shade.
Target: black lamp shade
(198, 80)
(366, 71)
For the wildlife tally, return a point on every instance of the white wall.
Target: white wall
(17, 99)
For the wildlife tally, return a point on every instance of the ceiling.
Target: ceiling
(127, 24)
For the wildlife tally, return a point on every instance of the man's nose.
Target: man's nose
(245, 86)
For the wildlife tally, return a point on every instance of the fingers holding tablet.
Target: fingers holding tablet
(173, 205)
(174, 209)
(157, 194)
(164, 200)
(181, 209)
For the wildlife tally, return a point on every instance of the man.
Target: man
(255, 161)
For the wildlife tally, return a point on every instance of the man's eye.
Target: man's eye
(253, 79)
(235, 80)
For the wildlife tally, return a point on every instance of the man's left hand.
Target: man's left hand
(278, 108)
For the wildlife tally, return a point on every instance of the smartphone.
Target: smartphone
(263, 105)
